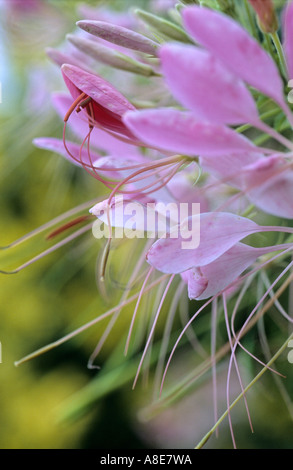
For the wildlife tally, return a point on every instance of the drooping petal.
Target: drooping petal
(219, 231)
(220, 273)
(180, 132)
(223, 271)
(197, 79)
(288, 37)
(196, 282)
(232, 44)
(109, 104)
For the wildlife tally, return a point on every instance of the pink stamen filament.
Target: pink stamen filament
(89, 324)
(244, 326)
(136, 309)
(237, 371)
(153, 328)
(109, 183)
(115, 190)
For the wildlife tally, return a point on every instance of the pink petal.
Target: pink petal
(230, 168)
(219, 231)
(272, 189)
(288, 37)
(97, 88)
(220, 273)
(108, 103)
(131, 213)
(197, 80)
(118, 215)
(232, 44)
(183, 189)
(57, 146)
(180, 132)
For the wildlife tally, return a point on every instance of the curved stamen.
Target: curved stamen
(75, 103)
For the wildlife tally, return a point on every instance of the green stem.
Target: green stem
(267, 114)
(258, 376)
(269, 44)
(253, 27)
(279, 48)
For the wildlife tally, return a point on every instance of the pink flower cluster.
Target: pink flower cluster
(212, 86)
(208, 117)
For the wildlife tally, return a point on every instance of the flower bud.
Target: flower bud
(267, 19)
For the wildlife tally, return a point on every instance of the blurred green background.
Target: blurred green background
(54, 401)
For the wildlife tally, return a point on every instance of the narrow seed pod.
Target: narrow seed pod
(60, 58)
(110, 57)
(119, 35)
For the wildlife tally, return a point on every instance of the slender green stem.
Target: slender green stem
(267, 114)
(279, 48)
(269, 44)
(252, 24)
(256, 378)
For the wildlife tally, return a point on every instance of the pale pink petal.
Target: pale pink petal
(119, 216)
(98, 162)
(183, 189)
(220, 273)
(271, 188)
(197, 80)
(131, 213)
(288, 37)
(57, 146)
(232, 44)
(219, 231)
(224, 270)
(180, 132)
(228, 168)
